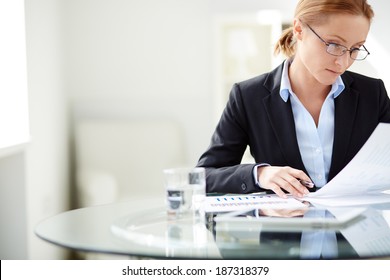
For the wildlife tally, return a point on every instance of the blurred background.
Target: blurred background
(117, 90)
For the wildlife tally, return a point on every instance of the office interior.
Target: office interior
(135, 84)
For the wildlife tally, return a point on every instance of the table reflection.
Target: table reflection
(146, 231)
(368, 235)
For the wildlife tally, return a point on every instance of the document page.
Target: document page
(368, 171)
(350, 200)
(227, 203)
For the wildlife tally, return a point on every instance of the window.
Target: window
(14, 127)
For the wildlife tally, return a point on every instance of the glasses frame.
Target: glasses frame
(344, 48)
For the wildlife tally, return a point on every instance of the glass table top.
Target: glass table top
(142, 228)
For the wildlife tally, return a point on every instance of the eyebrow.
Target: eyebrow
(344, 41)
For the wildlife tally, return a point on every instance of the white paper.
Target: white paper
(368, 171)
(350, 200)
(243, 202)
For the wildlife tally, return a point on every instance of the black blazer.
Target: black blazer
(256, 115)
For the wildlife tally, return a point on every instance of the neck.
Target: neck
(309, 91)
(304, 85)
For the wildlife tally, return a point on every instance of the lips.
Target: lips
(334, 72)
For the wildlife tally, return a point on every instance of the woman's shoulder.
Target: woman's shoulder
(350, 77)
(363, 84)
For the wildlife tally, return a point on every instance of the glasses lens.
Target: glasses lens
(336, 49)
(359, 54)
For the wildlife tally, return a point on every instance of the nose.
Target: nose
(344, 61)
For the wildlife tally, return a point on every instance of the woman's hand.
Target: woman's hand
(283, 179)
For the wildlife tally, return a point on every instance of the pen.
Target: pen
(307, 183)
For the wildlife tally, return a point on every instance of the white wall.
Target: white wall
(142, 60)
(13, 234)
(376, 64)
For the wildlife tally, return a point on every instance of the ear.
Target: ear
(297, 29)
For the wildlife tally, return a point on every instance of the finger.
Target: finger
(298, 186)
(281, 184)
(300, 175)
(291, 185)
(277, 190)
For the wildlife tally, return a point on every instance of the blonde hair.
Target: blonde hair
(317, 11)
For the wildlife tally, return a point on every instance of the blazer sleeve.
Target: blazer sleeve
(384, 101)
(222, 160)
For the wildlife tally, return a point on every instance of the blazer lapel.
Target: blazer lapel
(345, 114)
(282, 120)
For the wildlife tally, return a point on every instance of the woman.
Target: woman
(305, 120)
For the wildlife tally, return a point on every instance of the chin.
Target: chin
(329, 79)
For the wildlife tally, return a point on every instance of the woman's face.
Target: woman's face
(347, 30)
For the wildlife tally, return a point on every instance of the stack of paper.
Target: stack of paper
(365, 179)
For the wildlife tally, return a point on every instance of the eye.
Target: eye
(336, 48)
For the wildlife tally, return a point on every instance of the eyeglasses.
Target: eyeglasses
(339, 50)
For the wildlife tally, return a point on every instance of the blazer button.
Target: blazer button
(243, 186)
